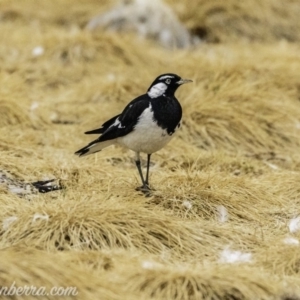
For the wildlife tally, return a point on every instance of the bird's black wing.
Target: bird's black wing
(104, 126)
(127, 119)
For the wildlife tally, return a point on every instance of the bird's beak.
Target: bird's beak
(182, 81)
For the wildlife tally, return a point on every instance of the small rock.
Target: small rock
(149, 19)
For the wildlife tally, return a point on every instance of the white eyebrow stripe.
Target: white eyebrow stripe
(165, 77)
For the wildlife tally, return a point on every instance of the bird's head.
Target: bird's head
(166, 84)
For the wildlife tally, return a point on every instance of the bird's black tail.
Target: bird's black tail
(94, 147)
(95, 131)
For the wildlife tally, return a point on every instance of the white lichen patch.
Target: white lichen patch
(8, 221)
(187, 204)
(231, 257)
(38, 51)
(294, 225)
(38, 216)
(291, 241)
(222, 214)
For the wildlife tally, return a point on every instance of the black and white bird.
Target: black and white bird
(146, 124)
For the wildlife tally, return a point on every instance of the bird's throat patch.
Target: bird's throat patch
(157, 90)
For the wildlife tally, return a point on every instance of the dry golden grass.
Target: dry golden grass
(238, 149)
(236, 21)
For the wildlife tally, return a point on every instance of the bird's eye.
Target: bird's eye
(168, 81)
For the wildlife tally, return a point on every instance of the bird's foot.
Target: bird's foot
(145, 189)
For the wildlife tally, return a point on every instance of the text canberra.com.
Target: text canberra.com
(32, 290)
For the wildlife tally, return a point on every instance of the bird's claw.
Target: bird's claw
(145, 189)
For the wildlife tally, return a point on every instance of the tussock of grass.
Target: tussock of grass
(110, 224)
(237, 154)
(29, 267)
(203, 283)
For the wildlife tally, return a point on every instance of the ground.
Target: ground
(223, 220)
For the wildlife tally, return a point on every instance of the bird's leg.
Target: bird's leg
(138, 165)
(144, 187)
(148, 167)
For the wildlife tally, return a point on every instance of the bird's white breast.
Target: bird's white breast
(147, 136)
